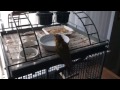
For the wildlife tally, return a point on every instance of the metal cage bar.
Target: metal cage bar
(80, 18)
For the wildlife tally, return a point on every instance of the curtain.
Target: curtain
(4, 16)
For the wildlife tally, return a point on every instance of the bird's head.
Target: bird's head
(58, 38)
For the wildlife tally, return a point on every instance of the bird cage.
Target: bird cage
(88, 52)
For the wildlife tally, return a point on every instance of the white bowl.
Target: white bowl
(48, 41)
(30, 53)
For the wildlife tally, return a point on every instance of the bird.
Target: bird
(62, 49)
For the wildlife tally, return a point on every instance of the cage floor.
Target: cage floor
(12, 44)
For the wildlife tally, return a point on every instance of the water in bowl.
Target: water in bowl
(50, 43)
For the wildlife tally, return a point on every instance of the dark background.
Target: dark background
(113, 58)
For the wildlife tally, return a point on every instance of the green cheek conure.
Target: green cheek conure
(62, 50)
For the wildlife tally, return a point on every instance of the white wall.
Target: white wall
(111, 25)
(103, 21)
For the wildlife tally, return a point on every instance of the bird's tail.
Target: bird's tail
(69, 69)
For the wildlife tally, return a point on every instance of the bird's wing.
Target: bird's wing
(63, 52)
